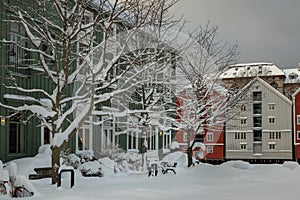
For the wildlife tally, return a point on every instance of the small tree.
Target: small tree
(202, 63)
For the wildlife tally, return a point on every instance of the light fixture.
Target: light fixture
(161, 133)
(3, 120)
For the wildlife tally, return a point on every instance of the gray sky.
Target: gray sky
(265, 30)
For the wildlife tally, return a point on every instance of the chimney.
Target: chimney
(298, 66)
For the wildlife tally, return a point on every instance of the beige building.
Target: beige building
(259, 126)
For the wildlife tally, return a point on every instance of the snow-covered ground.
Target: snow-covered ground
(229, 181)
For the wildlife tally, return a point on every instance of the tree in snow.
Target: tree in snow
(147, 108)
(70, 43)
(201, 64)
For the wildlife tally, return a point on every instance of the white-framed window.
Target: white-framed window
(272, 146)
(298, 135)
(84, 138)
(151, 139)
(271, 106)
(108, 139)
(243, 121)
(243, 108)
(185, 137)
(132, 142)
(275, 135)
(298, 119)
(240, 136)
(209, 137)
(272, 120)
(167, 140)
(278, 135)
(243, 146)
(210, 149)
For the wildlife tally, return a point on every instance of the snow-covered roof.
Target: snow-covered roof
(292, 75)
(251, 70)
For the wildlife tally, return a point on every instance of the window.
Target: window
(257, 96)
(278, 135)
(240, 136)
(275, 135)
(257, 109)
(272, 135)
(16, 54)
(243, 121)
(298, 119)
(108, 138)
(210, 149)
(132, 140)
(209, 137)
(151, 139)
(298, 135)
(271, 106)
(243, 108)
(243, 146)
(17, 134)
(274, 85)
(257, 134)
(271, 120)
(185, 137)
(243, 136)
(237, 136)
(167, 140)
(257, 121)
(272, 146)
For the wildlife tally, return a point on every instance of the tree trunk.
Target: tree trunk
(190, 156)
(55, 163)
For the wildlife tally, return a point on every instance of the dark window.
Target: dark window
(17, 135)
(257, 121)
(257, 96)
(257, 109)
(257, 134)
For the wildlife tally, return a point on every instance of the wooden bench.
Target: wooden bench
(42, 172)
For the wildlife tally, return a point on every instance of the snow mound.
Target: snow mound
(107, 162)
(237, 164)
(44, 151)
(291, 165)
(178, 157)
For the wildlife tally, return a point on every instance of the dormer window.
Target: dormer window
(293, 76)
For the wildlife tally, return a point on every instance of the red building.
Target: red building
(212, 134)
(296, 111)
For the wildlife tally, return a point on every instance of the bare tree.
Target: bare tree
(63, 37)
(201, 64)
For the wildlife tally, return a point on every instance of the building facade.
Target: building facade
(260, 126)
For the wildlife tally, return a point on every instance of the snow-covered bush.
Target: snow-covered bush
(72, 160)
(86, 155)
(109, 151)
(91, 168)
(126, 162)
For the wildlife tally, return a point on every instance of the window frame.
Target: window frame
(271, 120)
(209, 137)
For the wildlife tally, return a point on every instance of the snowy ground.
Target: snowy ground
(229, 181)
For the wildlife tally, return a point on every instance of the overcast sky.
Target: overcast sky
(265, 30)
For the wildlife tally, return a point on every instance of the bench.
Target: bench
(167, 167)
(42, 172)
